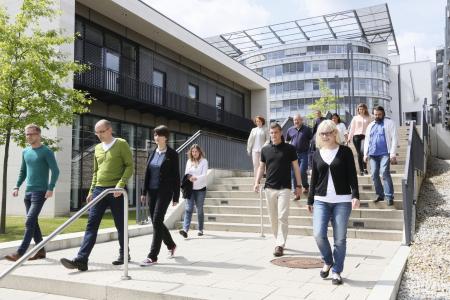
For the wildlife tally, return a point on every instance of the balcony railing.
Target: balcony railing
(113, 82)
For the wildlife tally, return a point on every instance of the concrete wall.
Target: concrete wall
(440, 142)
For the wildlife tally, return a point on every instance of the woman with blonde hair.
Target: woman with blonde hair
(357, 132)
(196, 172)
(259, 136)
(332, 195)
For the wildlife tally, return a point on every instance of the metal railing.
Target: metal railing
(415, 161)
(222, 152)
(45, 241)
(126, 86)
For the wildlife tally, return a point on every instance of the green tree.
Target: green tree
(33, 78)
(327, 101)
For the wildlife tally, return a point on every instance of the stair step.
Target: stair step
(302, 211)
(371, 234)
(364, 195)
(249, 187)
(367, 223)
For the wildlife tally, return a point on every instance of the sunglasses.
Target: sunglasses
(101, 131)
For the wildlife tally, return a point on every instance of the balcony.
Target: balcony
(112, 87)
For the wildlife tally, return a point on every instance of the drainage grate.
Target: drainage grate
(235, 188)
(367, 187)
(298, 262)
(223, 202)
(212, 219)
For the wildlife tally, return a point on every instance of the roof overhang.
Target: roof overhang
(141, 18)
(371, 24)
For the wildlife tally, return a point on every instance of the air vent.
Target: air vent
(235, 188)
(224, 202)
(212, 219)
(358, 224)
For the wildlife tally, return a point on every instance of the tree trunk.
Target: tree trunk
(4, 183)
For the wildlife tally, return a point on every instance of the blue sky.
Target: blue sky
(418, 23)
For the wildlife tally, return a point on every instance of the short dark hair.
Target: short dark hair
(380, 108)
(33, 126)
(275, 125)
(337, 116)
(162, 130)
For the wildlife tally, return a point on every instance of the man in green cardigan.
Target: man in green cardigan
(113, 166)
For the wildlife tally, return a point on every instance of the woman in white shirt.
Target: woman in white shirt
(197, 168)
(259, 136)
(342, 130)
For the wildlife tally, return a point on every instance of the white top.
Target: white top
(391, 134)
(342, 130)
(260, 139)
(331, 197)
(198, 170)
(106, 147)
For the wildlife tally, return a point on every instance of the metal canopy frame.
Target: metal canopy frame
(372, 24)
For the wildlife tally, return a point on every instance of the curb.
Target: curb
(388, 284)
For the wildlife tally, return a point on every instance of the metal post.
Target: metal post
(352, 106)
(336, 93)
(125, 238)
(261, 211)
(138, 202)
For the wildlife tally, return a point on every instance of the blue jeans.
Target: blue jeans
(302, 159)
(34, 201)
(197, 198)
(381, 164)
(338, 213)
(95, 217)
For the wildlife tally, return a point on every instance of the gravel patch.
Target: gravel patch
(427, 273)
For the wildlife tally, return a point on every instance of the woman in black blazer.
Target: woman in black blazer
(161, 185)
(332, 195)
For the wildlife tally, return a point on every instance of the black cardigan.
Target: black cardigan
(169, 176)
(343, 173)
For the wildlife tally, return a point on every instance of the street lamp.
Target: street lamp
(350, 76)
(336, 92)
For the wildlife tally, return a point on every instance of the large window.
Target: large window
(220, 106)
(159, 86)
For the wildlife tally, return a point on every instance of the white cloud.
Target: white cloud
(211, 17)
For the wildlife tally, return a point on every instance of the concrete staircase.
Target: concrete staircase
(231, 205)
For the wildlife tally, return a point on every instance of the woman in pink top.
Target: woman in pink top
(357, 132)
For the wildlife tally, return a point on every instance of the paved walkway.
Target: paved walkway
(219, 265)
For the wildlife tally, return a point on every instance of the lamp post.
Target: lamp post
(336, 92)
(351, 91)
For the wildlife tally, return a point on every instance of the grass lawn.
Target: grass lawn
(15, 225)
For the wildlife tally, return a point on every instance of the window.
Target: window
(159, 86)
(300, 67)
(278, 70)
(316, 86)
(193, 91)
(220, 106)
(112, 63)
(307, 66)
(300, 85)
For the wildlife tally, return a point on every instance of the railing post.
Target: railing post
(261, 211)
(125, 237)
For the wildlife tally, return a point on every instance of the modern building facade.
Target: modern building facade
(348, 50)
(145, 70)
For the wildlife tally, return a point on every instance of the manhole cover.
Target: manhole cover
(298, 262)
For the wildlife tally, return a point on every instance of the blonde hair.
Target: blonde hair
(327, 126)
(200, 151)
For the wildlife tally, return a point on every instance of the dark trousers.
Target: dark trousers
(358, 141)
(302, 158)
(95, 217)
(158, 204)
(34, 201)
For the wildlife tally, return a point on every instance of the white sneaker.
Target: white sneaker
(147, 262)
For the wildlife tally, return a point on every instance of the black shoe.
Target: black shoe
(366, 172)
(183, 233)
(390, 202)
(200, 233)
(74, 264)
(119, 260)
(324, 274)
(361, 173)
(378, 199)
(336, 279)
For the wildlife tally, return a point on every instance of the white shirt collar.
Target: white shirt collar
(161, 152)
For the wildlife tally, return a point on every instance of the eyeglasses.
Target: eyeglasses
(326, 133)
(31, 134)
(101, 131)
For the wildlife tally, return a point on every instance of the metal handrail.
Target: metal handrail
(45, 241)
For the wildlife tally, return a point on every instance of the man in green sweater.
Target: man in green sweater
(113, 166)
(37, 160)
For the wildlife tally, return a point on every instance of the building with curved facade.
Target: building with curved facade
(347, 50)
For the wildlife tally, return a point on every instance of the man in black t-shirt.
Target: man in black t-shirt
(277, 158)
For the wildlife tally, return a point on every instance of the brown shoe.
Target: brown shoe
(13, 257)
(39, 255)
(278, 251)
(297, 198)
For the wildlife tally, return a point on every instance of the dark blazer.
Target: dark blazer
(187, 186)
(343, 174)
(169, 176)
